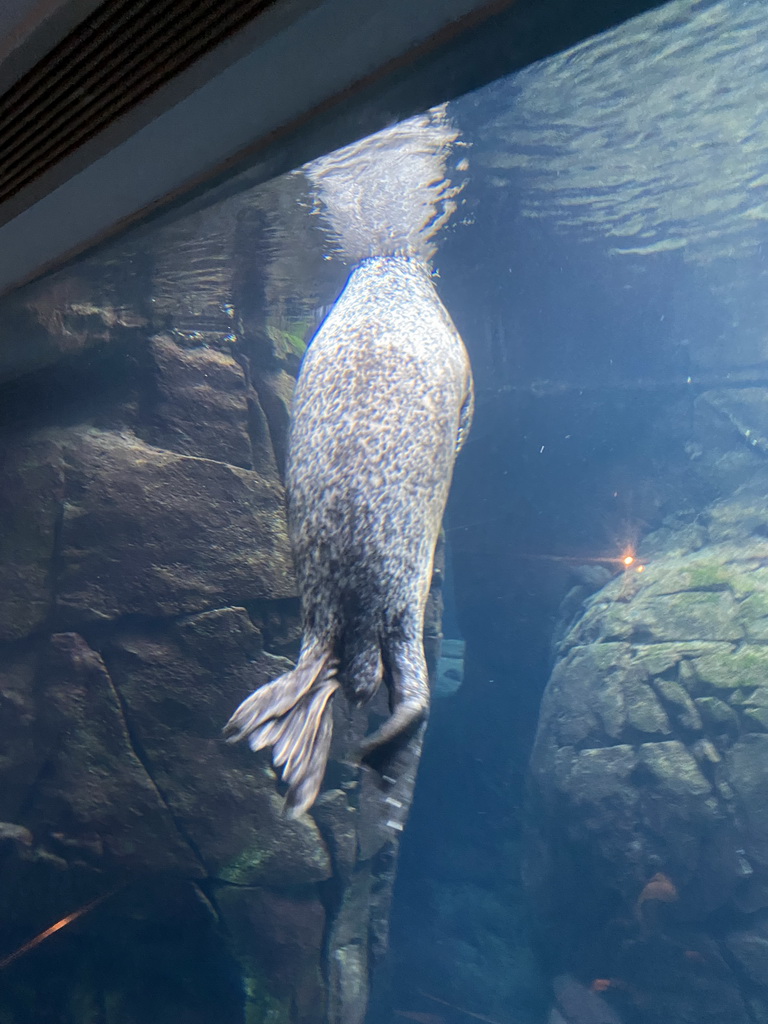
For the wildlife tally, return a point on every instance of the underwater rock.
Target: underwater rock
(74, 311)
(744, 410)
(349, 941)
(97, 799)
(652, 756)
(10, 833)
(750, 950)
(150, 532)
(31, 490)
(201, 406)
(277, 937)
(21, 753)
(177, 684)
(338, 826)
(576, 1004)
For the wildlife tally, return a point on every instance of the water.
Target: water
(588, 841)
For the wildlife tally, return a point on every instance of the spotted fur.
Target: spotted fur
(382, 405)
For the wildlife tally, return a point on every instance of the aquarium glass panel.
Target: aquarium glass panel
(500, 760)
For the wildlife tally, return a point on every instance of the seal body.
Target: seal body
(382, 404)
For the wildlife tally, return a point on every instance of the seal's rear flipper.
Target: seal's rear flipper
(408, 685)
(382, 746)
(391, 746)
(293, 715)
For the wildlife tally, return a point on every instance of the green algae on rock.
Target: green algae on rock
(652, 756)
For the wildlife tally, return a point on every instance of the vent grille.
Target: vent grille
(112, 61)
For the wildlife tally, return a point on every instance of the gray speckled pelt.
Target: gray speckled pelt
(382, 405)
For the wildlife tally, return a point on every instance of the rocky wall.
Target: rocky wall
(146, 586)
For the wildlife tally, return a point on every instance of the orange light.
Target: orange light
(639, 568)
(628, 560)
(85, 909)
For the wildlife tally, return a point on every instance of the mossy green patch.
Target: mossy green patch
(261, 1007)
(753, 613)
(240, 870)
(741, 668)
(686, 616)
(600, 657)
(707, 575)
(288, 341)
(703, 573)
(657, 658)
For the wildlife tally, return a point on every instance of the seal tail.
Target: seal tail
(293, 716)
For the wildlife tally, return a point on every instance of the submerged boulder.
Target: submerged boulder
(649, 775)
(147, 531)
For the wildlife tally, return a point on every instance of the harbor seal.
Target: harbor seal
(382, 405)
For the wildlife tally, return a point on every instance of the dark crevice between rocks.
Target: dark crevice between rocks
(331, 896)
(262, 428)
(630, 737)
(738, 645)
(383, 873)
(141, 755)
(278, 419)
(331, 892)
(206, 891)
(268, 416)
(148, 394)
(746, 986)
(709, 770)
(711, 588)
(34, 644)
(687, 734)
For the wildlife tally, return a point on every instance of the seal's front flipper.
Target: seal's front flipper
(293, 715)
